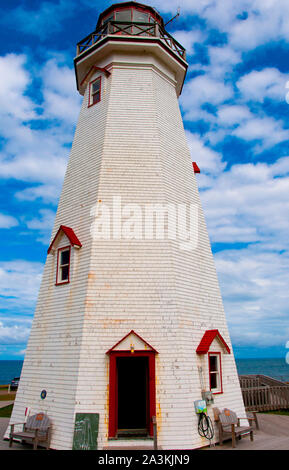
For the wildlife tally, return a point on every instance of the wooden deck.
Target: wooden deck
(272, 435)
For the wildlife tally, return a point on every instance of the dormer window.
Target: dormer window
(95, 91)
(215, 347)
(63, 265)
(66, 237)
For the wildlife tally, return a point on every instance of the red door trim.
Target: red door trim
(113, 405)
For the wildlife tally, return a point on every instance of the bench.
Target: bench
(37, 430)
(229, 426)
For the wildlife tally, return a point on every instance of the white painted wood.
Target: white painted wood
(131, 144)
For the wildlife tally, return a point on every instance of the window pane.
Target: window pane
(64, 273)
(140, 16)
(214, 380)
(64, 257)
(96, 97)
(95, 86)
(213, 363)
(124, 15)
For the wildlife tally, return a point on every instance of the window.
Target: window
(63, 265)
(94, 91)
(215, 372)
(123, 15)
(141, 17)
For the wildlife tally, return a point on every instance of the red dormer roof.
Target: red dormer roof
(196, 168)
(207, 340)
(74, 241)
(94, 69)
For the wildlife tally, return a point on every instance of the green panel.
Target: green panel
(85, 431)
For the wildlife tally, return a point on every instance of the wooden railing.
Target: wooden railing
(248, 382)
(262, 393)
(133, 28)
(266, 398)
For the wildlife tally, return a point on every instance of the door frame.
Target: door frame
(113, 392)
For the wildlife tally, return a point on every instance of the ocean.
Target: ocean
(276, 368)
(9, 370)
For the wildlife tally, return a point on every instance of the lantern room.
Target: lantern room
(125, 29)
(128, 14)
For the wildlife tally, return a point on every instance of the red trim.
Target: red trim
(92, 69)
(196, 168)
(112, 422)
(212, 353)
(70, 235)
(67, 281)
(207, 340)
(89, 96)
(138, 336)
(113, 395)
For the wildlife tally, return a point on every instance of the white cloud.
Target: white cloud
(233, 114)
(7, 221)
(249, 203)
(32, 153)
(19, 282)
(266, 83)
(48, 193)
(201, 90)
(222, 60)
(61, 100)
(14, 80)
(254, 287)
(43, 225)
(13, 334)
(268, 130)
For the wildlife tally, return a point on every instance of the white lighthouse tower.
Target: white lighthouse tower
(129, 323)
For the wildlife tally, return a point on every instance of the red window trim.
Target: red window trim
(212, 353)
(113, 405)
(60, 283)
(89, 97)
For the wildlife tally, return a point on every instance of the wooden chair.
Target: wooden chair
(252, 416)
(37, 429)
(229, 425)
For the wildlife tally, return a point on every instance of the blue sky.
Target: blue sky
(237, 123)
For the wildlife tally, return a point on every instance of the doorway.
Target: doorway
(132, 396)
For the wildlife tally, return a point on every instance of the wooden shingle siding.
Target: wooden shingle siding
(131, 144)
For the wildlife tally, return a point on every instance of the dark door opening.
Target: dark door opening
(132, 396)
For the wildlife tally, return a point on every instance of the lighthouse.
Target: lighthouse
(129, 326)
